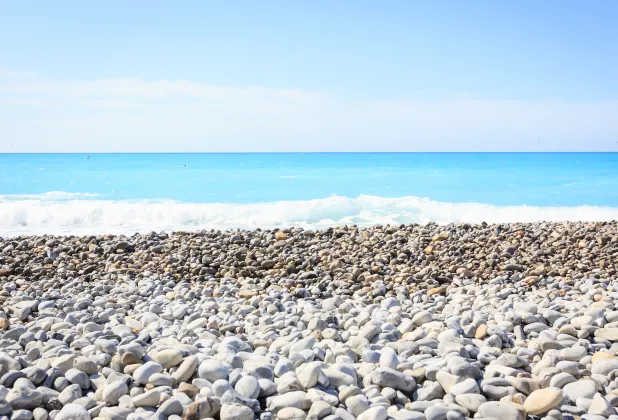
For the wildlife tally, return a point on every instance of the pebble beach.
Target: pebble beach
(412, 322)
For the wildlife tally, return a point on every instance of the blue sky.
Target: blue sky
(302, 75)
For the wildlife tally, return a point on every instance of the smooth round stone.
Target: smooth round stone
(543, 400)
(470, 402)
(499, 411)
(9, 378)
(135, 391)
(600, 406)
(171, 407)
(147, 399)
(454, 415)
(40, 413)
(465, 370)
(393, 379)
(160, 379)
(72, 412)
(21, 415)
(61, 383)
(357, 404)
(298, 399)
(168, 357)
(583, 403)
(302, 344)
(85, 402)
(568, 367)
(33, 353)
(585, 388)
(609, 334)
(580, 321)
(143, 373)
(436, 412)
(573, 354)
(78, 377)
(212, 370)
(106, 346)
(85, 365)
(485, 358)
(604, 366)
(371, 356)
(113, 391)
(220, 387)
(409, 415)
(309, 374)
(421, 318)
(388, 358)
(186, 369)
(374, 413)
(237, 412)
(283, 366)
(467, 386)
(70, 394)
(495, 392)
(561, 379)
(447, 380)
(320, 409)
(267, 388)
(248, 386)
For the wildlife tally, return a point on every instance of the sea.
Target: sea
(77, 194)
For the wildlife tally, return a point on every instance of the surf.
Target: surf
(68, 214)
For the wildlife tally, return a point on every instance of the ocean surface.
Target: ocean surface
(128, 193)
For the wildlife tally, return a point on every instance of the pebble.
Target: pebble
(585, 388)
(143, 373)
(500, 411)
(374, 413)
(147, 399)
(288, 413)
(112, 392)
(543, 400)
(600, 406)
(168, 358)
(248, 386)
(72, 412)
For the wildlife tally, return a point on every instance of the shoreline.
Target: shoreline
(81, 214)
(416, 322)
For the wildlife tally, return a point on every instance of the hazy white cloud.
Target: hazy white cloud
(15, 74)
(136, 115)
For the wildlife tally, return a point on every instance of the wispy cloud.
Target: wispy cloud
(37, 114)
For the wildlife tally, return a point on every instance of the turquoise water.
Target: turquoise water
(66, 192)
(541, 179)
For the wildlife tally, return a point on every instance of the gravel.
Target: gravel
(389, 322)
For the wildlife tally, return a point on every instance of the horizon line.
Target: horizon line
(306, 153)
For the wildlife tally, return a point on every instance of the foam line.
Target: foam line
(74, 216)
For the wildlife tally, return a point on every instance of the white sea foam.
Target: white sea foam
(48, 196)
(74, 216)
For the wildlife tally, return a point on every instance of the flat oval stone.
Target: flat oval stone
(609, 334)
(585, 388)
(168, 357)
(543, 400)
(500, 411)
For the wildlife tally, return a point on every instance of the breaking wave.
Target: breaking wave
(68, 213)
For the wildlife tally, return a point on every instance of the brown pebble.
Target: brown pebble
(481, 332)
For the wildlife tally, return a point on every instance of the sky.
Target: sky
(345, 75)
